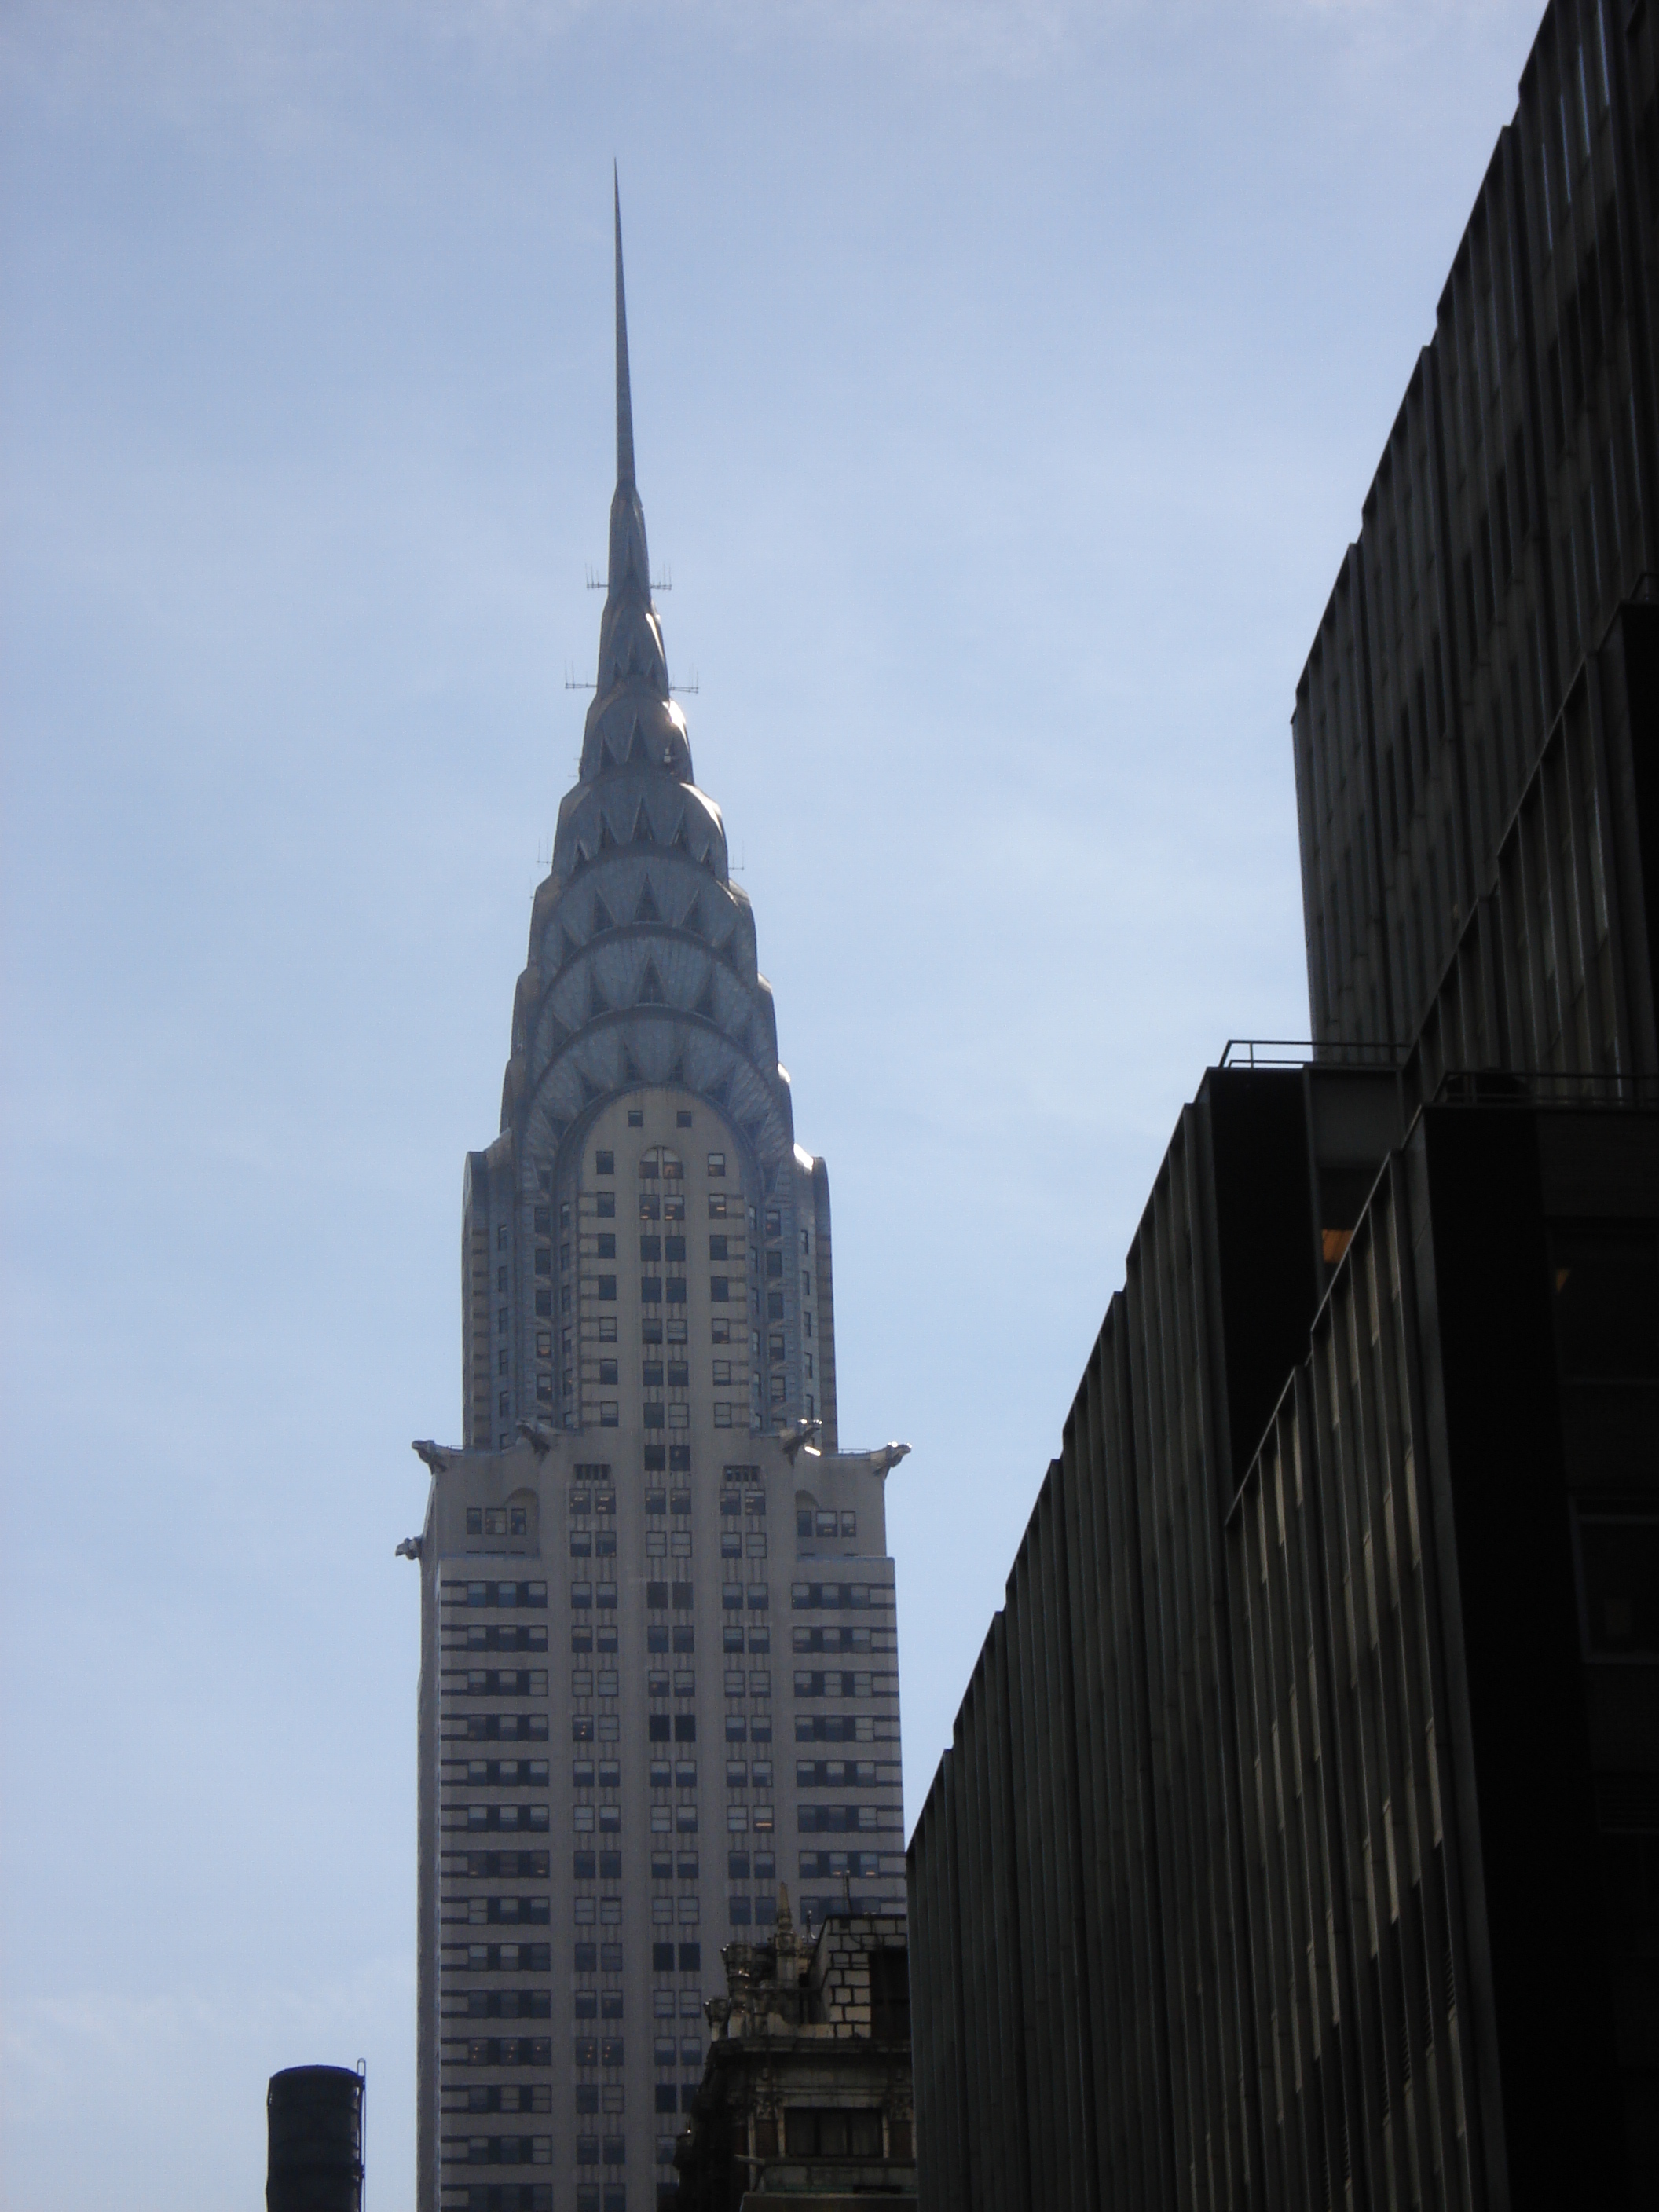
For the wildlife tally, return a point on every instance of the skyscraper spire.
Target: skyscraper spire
(633, 715)
(630, 564)
(624, 398)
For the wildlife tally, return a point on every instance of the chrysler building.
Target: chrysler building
(658, 1672)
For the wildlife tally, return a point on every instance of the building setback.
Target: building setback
(1298, 1841)
(658, 1660)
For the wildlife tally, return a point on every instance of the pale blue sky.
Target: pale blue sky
(1006, 382)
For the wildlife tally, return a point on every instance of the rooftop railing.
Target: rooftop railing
(1303, 1052)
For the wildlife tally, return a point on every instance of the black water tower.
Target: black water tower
(314, 2123)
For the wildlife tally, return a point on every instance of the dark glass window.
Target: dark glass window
(817, 2134)
(1619, 1559)
(1607, 1302)
(605, 1163)
(890, 1993)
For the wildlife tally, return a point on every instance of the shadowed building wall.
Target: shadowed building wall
(1466, 729)
(1298, 1841)
(1080, 1956)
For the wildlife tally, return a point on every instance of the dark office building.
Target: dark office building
(1298, 1843)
